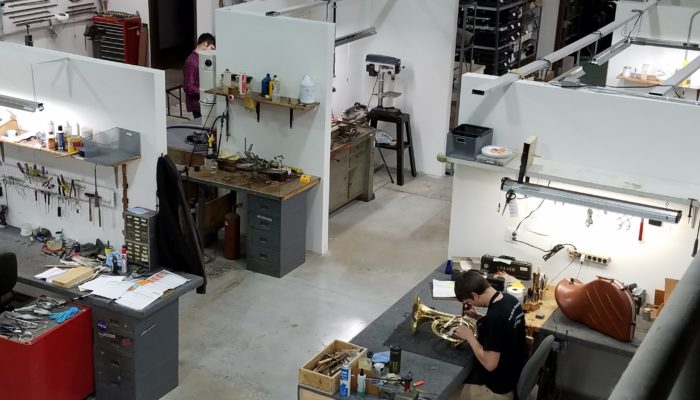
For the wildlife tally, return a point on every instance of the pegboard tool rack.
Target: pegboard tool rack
(10, 175)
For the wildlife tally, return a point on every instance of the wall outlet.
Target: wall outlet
(508, 237)
(589, 257)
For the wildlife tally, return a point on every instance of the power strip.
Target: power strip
(590, 257)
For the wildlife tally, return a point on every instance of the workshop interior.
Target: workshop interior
(287, 199)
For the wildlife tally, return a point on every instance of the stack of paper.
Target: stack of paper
(443, 289)
(50, 273)
(147, 291)
(111, 287)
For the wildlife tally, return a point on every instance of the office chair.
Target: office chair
(8, 278)
(526, 388)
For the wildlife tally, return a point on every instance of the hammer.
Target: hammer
(90, 197)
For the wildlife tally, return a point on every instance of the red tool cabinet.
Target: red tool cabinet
(119, 37)
(56, 365)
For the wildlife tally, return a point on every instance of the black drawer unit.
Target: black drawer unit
(140, 235)
(135, 358)
(276, 234)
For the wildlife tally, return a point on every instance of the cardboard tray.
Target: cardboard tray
(324, 383)
(72, 277)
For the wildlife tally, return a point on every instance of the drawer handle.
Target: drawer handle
(115, 363)
(263, 240)
(264, 223)
(264, 207)
(461, 140)
(263, 256)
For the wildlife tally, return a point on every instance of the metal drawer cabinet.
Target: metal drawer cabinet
(135, 358)
(276, 234)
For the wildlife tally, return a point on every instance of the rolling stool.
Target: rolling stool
(395, 116)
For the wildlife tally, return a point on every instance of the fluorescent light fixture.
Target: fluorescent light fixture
(301, 7)
(677, 78)
(355, 36)
(20, 104)
(574, 73)
(605, 55)
(593, 201)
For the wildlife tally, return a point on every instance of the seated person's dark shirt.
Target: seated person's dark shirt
(501, 330)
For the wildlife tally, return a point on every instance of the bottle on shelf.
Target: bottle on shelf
(51, 137)
(242, 83)
(307, 90)
(60, 139)
(265, 92)
(276, 86)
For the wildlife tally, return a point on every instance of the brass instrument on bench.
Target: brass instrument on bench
(443, 324)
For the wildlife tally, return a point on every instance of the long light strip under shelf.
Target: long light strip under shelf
(20, 104)
(593, 201)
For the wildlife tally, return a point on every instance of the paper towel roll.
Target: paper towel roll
(516, 292)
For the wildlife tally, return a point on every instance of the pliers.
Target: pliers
(73, 190)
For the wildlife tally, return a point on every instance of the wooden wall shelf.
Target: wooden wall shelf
(651, 82)
(63, 154)
(289, 103)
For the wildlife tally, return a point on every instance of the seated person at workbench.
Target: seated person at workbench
(190, 71)
(500, 347)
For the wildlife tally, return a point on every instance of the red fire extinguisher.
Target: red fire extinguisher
(232, 235)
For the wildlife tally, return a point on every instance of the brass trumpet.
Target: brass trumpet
(443, 325)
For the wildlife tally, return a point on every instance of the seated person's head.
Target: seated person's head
(469, 285)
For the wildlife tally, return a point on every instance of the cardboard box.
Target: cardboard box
(324, 383)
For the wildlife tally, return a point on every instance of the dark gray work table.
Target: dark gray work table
(565, 329)
(441, 378)
(26, 270)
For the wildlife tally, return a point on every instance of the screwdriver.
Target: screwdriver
(695, 246)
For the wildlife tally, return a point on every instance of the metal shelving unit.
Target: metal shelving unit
(498, 28)
(532, 18)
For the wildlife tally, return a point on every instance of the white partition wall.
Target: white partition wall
(422, 34)
(248, 41)
(633, 144)
(101, 95)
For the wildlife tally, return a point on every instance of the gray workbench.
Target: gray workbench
(589, 363)
(136, 352)
(567, 330)
(441, 378)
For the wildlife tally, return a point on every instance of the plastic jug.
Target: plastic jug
(307, 90)
(276, 88)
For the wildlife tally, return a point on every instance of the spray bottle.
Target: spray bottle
(242, 83)
(124, 267)
(344, 390)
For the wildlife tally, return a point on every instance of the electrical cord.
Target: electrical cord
(560, 272)
(515, 232)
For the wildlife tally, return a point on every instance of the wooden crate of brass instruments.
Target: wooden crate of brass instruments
(311, 374)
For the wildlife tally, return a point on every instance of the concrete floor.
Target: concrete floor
(248, 336)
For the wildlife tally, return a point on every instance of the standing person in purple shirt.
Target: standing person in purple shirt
(190, 71)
